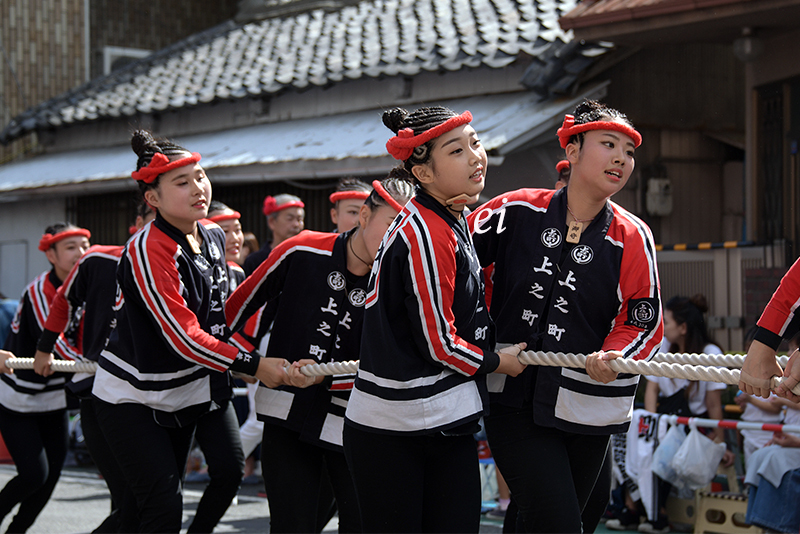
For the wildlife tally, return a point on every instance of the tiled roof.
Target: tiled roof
(316, 48)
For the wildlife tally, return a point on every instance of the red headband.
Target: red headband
(270, 206)
(378, 186)
(346, 195)
(569, 128)
(561, 165)
(403, 144)
(48, 240)
(161, 164)
(225, 217)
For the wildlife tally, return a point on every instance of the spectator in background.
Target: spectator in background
(8, 308)
(685, 331)
(347, 200)
(285, 219)
(758, 410)
(249, 246)
(773, 477)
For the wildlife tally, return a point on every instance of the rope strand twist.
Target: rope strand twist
(706, 367)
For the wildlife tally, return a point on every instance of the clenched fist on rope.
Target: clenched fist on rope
(5, 355)
(760, 366)
(778, 322)
(598, 369)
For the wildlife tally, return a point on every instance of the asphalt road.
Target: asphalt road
(80, 502)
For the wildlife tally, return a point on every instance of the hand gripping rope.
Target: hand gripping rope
(661, 365)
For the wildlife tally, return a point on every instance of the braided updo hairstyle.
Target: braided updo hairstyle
(397, 185)
(146, 146)
(593, 111)
(419, 121)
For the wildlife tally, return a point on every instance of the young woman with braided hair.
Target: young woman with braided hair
(153, 382)
(428, 341)
(347, 200)
(321, 279)
(572, 272)
(228, 220)
(87, 297)
(33, 415)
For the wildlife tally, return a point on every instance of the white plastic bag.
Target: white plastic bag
(666, 451)
(697, 459)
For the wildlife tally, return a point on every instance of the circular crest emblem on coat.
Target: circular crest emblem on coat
(551, 238)
(357, 297)
(336, 281)
(582, 254)
(644, 312)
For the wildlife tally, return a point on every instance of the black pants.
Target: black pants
(601, 494)
(38, 445)
(217, 434)
(425, 483)
(124, 514)
(152, 458)
(550, 473)
(294, 482)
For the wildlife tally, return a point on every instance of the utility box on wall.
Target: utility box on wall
(659, 197)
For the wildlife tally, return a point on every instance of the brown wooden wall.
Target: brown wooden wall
(43, 45)
(150, 25)
(686, 86)
(686, 99)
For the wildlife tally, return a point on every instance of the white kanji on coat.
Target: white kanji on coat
(331, 308)
(555, 331)
(529, 317)
(567, 282)
(545, 266)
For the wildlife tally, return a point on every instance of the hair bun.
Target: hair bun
(700, 302)
(588, 106)
(394, 119)
(142, 143)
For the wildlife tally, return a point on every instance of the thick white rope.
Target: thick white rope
(59, 366)
(555, 359)
(560, 359)
(722, 360)
(641, 367)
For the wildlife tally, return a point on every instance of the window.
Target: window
(116, 57)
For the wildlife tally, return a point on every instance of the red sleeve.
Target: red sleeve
(267, 280)
(638, 329)
(59, 311)
(158, 281)
(781, 307)
(434, 300)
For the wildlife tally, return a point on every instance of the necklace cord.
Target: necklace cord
(350, 242)
(577, 219)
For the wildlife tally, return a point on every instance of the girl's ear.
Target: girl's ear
(572, 151)
(151, 197)
(422, 173)
(364, 213)
(51, 255)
